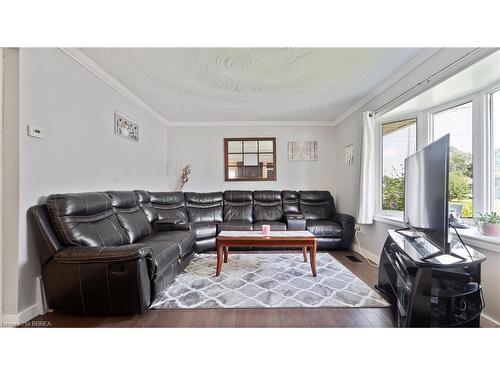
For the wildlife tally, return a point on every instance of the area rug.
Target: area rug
(267, 280)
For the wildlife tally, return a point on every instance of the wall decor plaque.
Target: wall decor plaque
(126, 127)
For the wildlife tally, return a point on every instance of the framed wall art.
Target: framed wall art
(126, 127)
(303, 150)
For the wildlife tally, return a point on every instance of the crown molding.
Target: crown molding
(424, 55)
(92, 67)
(251, 123)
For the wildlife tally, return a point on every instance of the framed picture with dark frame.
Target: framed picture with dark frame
(250, 159)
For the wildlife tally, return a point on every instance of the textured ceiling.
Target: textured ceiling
(250, 84)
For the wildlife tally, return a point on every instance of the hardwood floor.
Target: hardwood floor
(302, 317)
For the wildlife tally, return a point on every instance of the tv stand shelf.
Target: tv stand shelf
(443, 291)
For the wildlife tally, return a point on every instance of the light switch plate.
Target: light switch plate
(33, 131)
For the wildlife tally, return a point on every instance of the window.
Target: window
(495, 122)
(457, 121)
(250, 159)
(398, 142)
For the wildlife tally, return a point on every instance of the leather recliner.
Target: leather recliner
(268, 210)
(332, 230)
(238, 207)
(101, 255)
(205, 214)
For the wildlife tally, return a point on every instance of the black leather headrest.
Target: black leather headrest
(238, 195)
(78, 204)
(267, 195)
(123, 199)
(290, 194)
(166, 198)
(142, 196)
(315, 195)
(203, 198)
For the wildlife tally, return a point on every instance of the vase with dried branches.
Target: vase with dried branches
(184, 177)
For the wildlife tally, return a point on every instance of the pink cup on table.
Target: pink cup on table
(266, 229)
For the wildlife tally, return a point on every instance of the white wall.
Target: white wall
(11, 181)
(79, 151)
(372, 237)
(203, 148)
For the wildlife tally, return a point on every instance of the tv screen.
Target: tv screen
(426, 192)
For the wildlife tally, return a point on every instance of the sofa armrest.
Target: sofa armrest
(104, 254)
(295, 222)
(347, 223)
(167, 225)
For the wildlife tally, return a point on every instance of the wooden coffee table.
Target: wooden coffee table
(284, 239)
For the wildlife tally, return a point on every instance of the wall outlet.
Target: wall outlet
(35, 132)
(357, 228)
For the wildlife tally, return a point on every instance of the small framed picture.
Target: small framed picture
(126, 127)
(303, 150)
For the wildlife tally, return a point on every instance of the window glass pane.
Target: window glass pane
(250, 146)
(398, 141)
(266, 146)
(267, 159)
(495, 120)
(250, 159)
(234, 159)
(457, 121)
(234, 146)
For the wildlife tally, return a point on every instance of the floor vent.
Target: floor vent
(352, 258)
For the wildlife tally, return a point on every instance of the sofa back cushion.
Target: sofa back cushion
(131, 217)
(316, 204)
(204, 206)
(145, 203)
(85, 219)
(267, 205)
(290, 202)
(238, 205)
(170, 206)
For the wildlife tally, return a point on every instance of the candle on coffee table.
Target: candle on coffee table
(266, 229)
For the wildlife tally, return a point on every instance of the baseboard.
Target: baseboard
(490, 322)
(39, 308)
(365, 253)
(12, 320)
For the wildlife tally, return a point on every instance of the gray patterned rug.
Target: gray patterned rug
(267, 280)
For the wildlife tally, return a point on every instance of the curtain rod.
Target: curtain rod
(425, 81)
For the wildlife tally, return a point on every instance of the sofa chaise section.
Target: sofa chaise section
(100, 254)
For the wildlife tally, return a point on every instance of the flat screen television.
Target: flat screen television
(426, 192)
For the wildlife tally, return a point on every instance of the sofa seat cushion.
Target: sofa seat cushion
(324, 228)
(183, 239)
(234, 225)
(202, 229)
(275, 225)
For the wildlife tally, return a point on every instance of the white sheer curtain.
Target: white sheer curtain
(367, 181)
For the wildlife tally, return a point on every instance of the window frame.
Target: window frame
(482, 146)
(243, 139)
(490, 161)
(380, 164)
(474, 99)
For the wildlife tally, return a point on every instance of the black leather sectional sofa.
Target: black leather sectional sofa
(115, 252)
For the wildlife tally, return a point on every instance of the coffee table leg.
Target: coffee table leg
(226, 253)
(304, 252)
(313, 260)
(219, 260)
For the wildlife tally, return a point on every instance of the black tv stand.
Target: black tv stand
(428, 287)
(443, 252)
